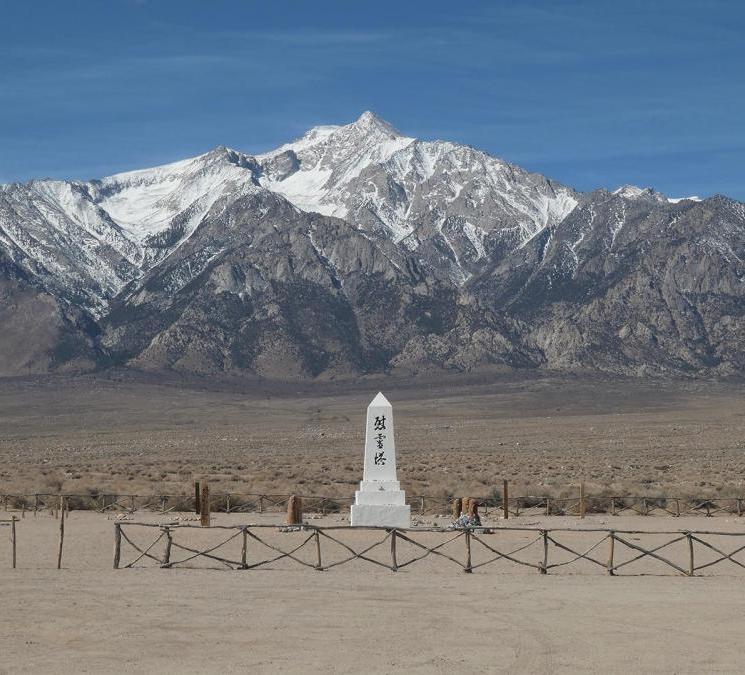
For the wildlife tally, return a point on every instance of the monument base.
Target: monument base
(381, 515)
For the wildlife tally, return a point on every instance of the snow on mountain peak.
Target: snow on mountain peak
(145, 202)
(692, 198)
(321, 163)
(369, 121)
(635, 192)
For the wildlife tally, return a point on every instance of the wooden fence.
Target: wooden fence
(11, 525)
(323, 548)
(420, 504)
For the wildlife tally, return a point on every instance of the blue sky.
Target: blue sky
(594, 94)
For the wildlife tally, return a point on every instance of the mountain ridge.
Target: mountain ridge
(199, 264)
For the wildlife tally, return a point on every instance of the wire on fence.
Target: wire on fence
(420, 504)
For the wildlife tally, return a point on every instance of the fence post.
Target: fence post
(456, 507)
(204, 509)
(548, 506)
(506, 499)
(611, 567)
(261, 503)
(244, 548)
(61, 532)
(691, 566)
(394, 562)
(294, 511)
(677, 507)
(582, 499)
(197, 498)
(132, 502)
(117, 544)
(645, 506)
(167, 553)
(319, 567)
(739, 507)
(36, 504)
(708, 508)
(468, 552)
(544, 565)
(13, 539)
(421, 506)
(613, 506)
(227, 503)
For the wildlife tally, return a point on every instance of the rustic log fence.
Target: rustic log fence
(224, 502)
(394, 549)
(11, 525)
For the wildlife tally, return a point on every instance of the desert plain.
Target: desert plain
(145, 434)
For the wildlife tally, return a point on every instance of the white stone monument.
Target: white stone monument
(380, 501)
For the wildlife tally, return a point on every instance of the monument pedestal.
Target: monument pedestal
(380, 501)
(380, 504)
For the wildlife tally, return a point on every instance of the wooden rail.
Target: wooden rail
(420, 504)
(544, 550)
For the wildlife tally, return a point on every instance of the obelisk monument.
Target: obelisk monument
(380, 501)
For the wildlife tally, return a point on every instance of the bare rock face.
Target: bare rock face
(356, 249)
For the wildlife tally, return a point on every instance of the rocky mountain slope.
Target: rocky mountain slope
(357, 249)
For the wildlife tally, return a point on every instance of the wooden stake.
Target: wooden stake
(421, 506)
(13, 539)
(468, 552)
(319, 567)
(61, 532)
(36, 504)
(691, 567)
(548, 506)
(611, 552)
(167, 552)
(117, 544)
(613, 506)
(205, 506)
(677, 507)
(544, 566)
(394, 562)
(244, 548)
(506, 499)
(582, 499)
(197, 498)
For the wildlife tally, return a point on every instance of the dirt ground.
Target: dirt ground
(360, 618)
(146, 434)
(139, 434)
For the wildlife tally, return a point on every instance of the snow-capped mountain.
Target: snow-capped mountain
(357, 248)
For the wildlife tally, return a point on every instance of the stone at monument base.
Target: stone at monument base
(381, 515)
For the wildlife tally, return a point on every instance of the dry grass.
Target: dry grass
(137, 435)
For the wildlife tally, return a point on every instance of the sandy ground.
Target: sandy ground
(429, 617)
(462, 436)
